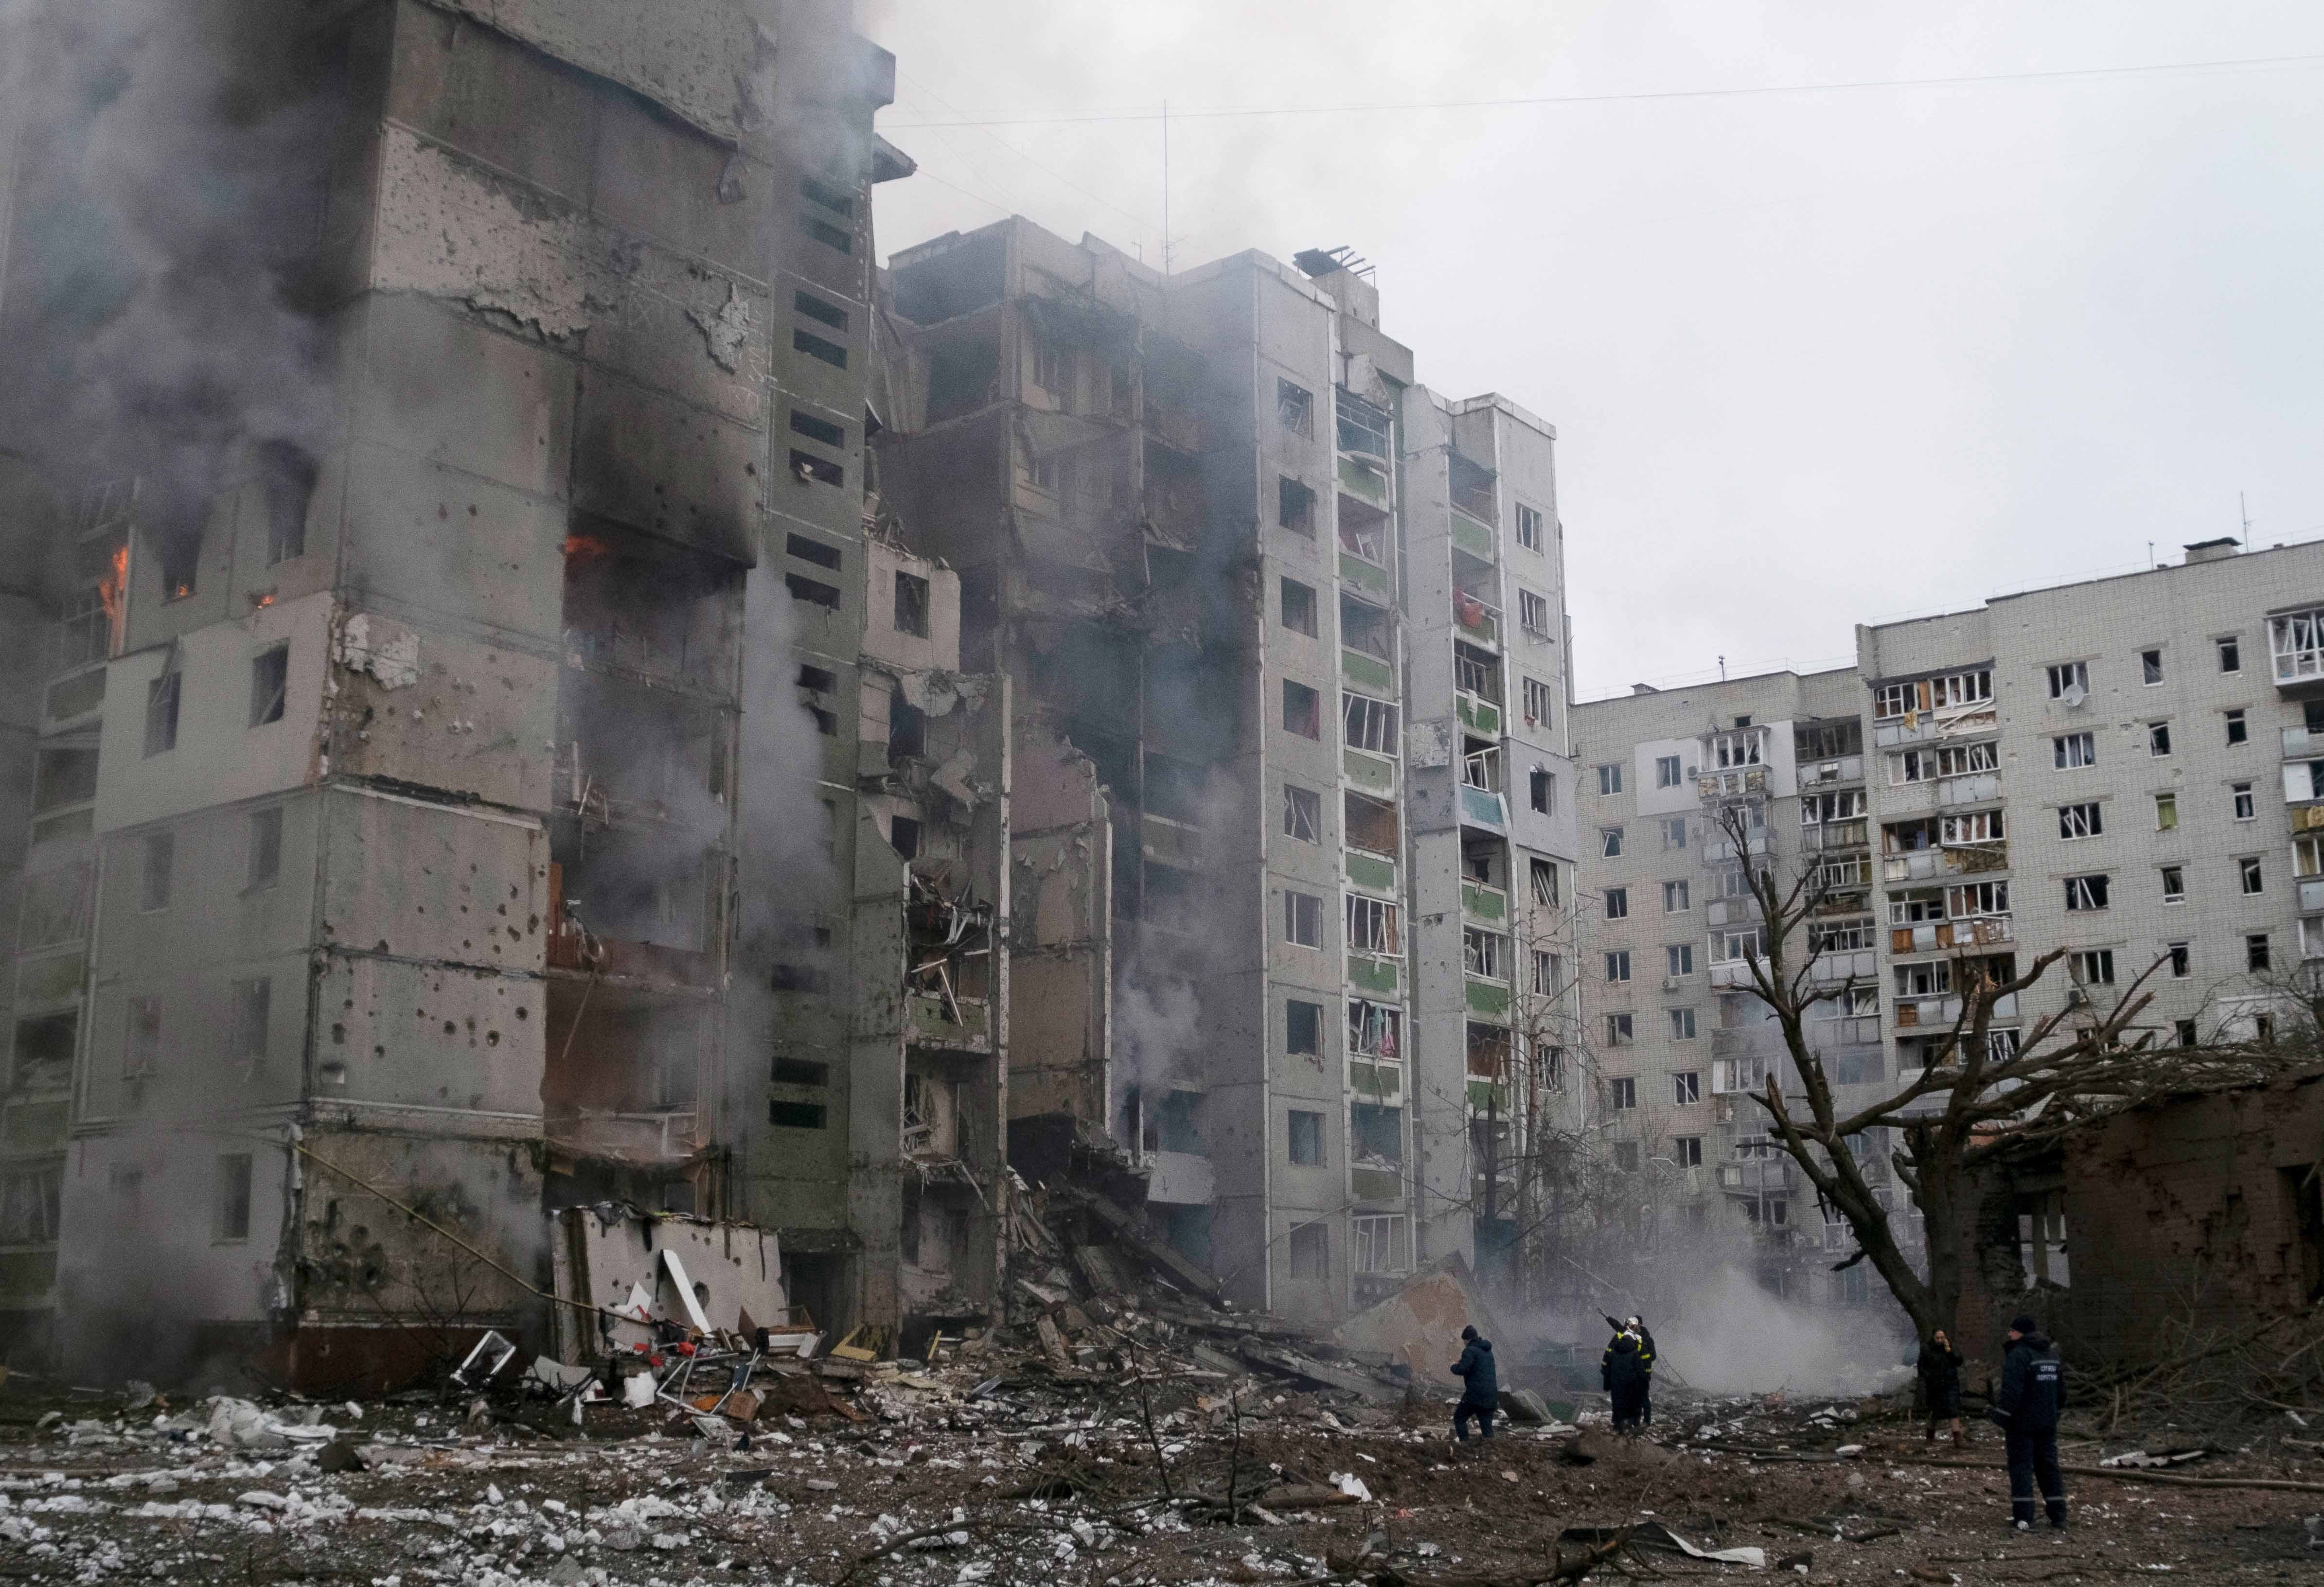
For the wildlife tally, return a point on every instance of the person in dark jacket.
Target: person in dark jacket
(1481, 1389)
(1623, 1372)
(1939, 1368)
(2032, 1391)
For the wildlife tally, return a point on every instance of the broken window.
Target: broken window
(912, 604)
(1537, 700)
(817, 347)
(2255, 951)
(140, 1047)
(1299, 607)
(1618, 965)
(1621, 1096)
(1178, 1122)
(1371, 824)
(2150, 666)
(1529, 527)
(2238, 729)
(2240, 797)
(1367, 628)
(29, 1205)
(822, 312)
(1532, 613)
(287, 484)
(1484, 952)
(1294, 506)
(1374, 1030)
(1366, 723)
(162, 713)
(1306, 1141)
(2158, 738)
(796, 1115)
(812, 592)
(1675, 898)
(1302, 814)
(230, 1220)
(1548, 974)
(2069, 680)
(1682, 1025)
(1302, 919)
(2247, 874)
(1729, 947)
(1947, 761)
(1302, 710)
(1053, 371)
(2092, 967)
(156, 874)
(1476, 671)
(263, 860)
(2174, 884)
(1617, 903)
(1540, 790)
(1481, 764)
(1728, 1075)
(2080, 821)
(1954, 691)
(1610, 780)
(270, 677)
(907, 730)
(253, 1003)
(1294, 407)
(810, 470)
(1362, 532)
(1545, 889)
(2070, 749)
(2086, 892)
(1666, 771)
(1310, 1251)
(1376, 1135)
(1373, 926)
(1363, 428)
(904, 836)
(1609, 843)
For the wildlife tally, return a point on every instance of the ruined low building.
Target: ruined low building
(1235, 567)
(510, 772)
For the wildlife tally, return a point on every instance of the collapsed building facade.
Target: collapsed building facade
(2129, 770)
(1292, 841)
(537, 776)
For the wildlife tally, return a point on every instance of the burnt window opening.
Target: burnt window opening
(639, 606)
(30, 1203)
(1371, 824)
(270, 680)
(1376, 1135)
(1299, 607)
(804, 965)
(253, 1008)
(808, 468)
(907, 730)
(912, 604)
(231, 1220)
(811, 550)
(816, 308)
(810, 591)
(1306, 1139)
(162, 713)
(1178, 1124)
(1174, 788)
(961, 373)
(904, 836)
(287, 481)
(789, 1115)
(1303, 1028)
(179, 557)
(826, 722)
(64, 777)
(951, 282)
(1302, 710)
(816, 346)
(1367, 628)
(801, 1072)
(44, 1050)
(829, 235)
(1310, 1249)
(819, 679)
(818, 429)
(838, 201)
(1294, 506)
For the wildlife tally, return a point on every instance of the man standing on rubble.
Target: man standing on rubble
(1481, 1390)
(1622, 1372)
(2032, 1391)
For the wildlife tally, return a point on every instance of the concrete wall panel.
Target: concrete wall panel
(428, 1036)
(465, 717)
(425, 881)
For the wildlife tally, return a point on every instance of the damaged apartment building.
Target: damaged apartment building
(2130, 769)
(1291, 843)
(520, 766)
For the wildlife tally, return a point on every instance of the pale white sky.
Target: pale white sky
(1813, 358)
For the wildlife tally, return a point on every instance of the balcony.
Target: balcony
(1380, 976)
(1374, 872)
(1835, 967)
(1478, 713)
(1367, 671)
(1723, 848)
(1831, 836)
(1921, 864)
(1959, 722)
(1938, 935)
(1472, 536)
(1480, 902)
(1364, 480)
(1373, 773)
(1941, 1010)
(939, 1018)
(1831, 773)
(2296, 643)
(643, 1138)
(2311, 895)
(1477, 620)
(1969, 788)
(1732, 974)
(1773, 1175)
(1733, 784)
(2300, 742)
(1482, 807)
(1488, 997)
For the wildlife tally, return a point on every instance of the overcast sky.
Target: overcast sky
(1813, 358)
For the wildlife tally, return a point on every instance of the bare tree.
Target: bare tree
(1980, 1090)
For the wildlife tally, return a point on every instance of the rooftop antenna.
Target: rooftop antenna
(1722, 669)
(1166, 186)
(2243, 513)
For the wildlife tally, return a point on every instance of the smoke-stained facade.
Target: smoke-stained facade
(505, 758)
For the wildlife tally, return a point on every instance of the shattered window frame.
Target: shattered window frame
(1295, 407)
(1302, 814)
(911, 605)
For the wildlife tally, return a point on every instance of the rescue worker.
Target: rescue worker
(1939, 1368)
(1481, 1385)
(1646, 1336)
(2032, 1391)
(1623, 1373)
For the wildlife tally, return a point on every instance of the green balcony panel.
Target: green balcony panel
(1372, 872)
(1376, 1185)
(1481, 1096)
(1359, 479)
(1479, 715)
(1366, 672)
(1368, 771)
(1379, 975)
(1356, 570)
(1379, 1083)
(1483, 903)
(1489, 998)
(1470, 535)
(1482, 806)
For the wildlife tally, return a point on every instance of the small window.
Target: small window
(161, 861)
(2071, 750)
(2231, 654)
(1674, 898)
(829, 235)
(2092, 967)
(1617, 903)
(287, 476)
(1619, 1029)
(2245, 808)
(1306, 1139)
(819, 680)
(1689, 1149)
(800, 1072)
(2166, 812)
(1618, 965)
(264, 860)
(2182, 961)
(2080, 821)
(1294, 406)
(838, 201)
(1536, 702)
(1529, 527)
(811, 550)
(2184, 1029)
(2158, 738)
(1609, 778)
(1674, 832)
(2150, 666)
(1310, 1253)
(1545, 881)
(1678, 959)
(912, 604)
(1539, 785)
(1052, 370)
(1302, 710)
(816, 308)
(1299, 607)
(1302, 919)
(1548, 974)
(270, 675)
(2070, 676)
(2174, 884)
(1294, 506)
(230, 1220)
(1626, 1156)
(2247, 875)
(1302, 1027)
(792, 1115)
(253, 1007)
(818, 429)
(809, 468)
(1622, 1093)
(2238, 729)
(2086, 892)
(814, 346)
(162, 713)
(2255, 954)
(1681, 1028)
(1666, 771)
(1609, 842)
(1686, 1085)
(1532, 613)
(811, 591)
(1302, 814)
(904, 836)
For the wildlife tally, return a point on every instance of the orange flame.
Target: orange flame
(109, 586)
(585, 547)
(265, 600)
